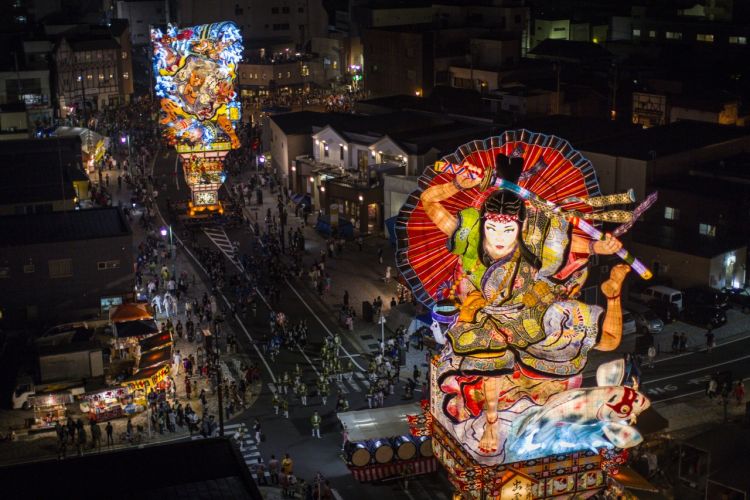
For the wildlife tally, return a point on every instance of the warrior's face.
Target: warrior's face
(499, 237)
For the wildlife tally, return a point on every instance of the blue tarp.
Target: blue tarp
(345, 228)
(302, 199)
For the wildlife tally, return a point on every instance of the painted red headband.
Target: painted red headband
(501, 218)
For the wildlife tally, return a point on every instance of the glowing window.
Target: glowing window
(671, 213)
(707, 229)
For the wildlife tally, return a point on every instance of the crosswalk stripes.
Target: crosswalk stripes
(219, 237)
(354, 384)
(272, 387)
(342, 387)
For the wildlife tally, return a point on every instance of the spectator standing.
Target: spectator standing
(651, 355)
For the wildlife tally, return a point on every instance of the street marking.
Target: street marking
(695, 371)
(231, 426)
(360, 375)
(682, 355)
(354, 384)
(341, 387)
(219, 238)
(272, 387)
(236, 317)
(678, 397)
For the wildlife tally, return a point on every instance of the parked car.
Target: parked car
(667, 312)
(663, 294)
(628, 323)
(739, 296)
(706, 296)
(646, 320)
(705, 316)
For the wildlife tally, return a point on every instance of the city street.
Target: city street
(293, 435)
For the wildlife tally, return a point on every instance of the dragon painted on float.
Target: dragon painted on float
(497, 242)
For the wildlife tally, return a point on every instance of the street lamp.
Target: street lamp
(164, 231)
(126, 140)
(381, 321)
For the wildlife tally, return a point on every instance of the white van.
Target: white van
(663, 294)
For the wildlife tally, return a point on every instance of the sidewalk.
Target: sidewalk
(30, 447)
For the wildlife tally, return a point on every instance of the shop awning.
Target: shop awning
(156, 341)
(145, 379)
(631, 480)
(139, 328)
(130, 312)
(651, 422)
(155, 358)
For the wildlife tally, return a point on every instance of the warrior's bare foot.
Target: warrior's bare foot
(488, 443)
(613, 286)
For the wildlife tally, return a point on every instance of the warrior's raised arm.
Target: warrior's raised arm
(470, 177)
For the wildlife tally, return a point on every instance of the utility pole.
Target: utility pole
(212, 346)
(557, 88)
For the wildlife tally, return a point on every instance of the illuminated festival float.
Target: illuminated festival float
(497, 242)
(195, 70)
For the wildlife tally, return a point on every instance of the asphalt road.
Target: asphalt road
(293, 435)
(687, 374)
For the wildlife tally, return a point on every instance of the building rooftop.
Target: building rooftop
(570, 50)
(85, 45)
(728, 446)
(685, 241)
(25, 184)
(302, 122)
(206, 468)
(55, 227)
(578, 131)
(677, 137)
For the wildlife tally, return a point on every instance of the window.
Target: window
(738, 40)
(707, 229)
(28, 268)
(107, 264)
(288, 74)
(671, 213)
(274, 10)
(126, 75)
(285, 10)
(636, 32)
(341, 152)
(558, 29)
(305, 70)
(652, 34)
(124, 55)
(673, 35)
(704, 37)
(325, 150)
(60, 268)
(301, 10)
(4, 272)
(279, 77)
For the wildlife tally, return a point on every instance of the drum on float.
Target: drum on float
(424, 443)
(358, 454)
(405, 448)
(382, 451)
